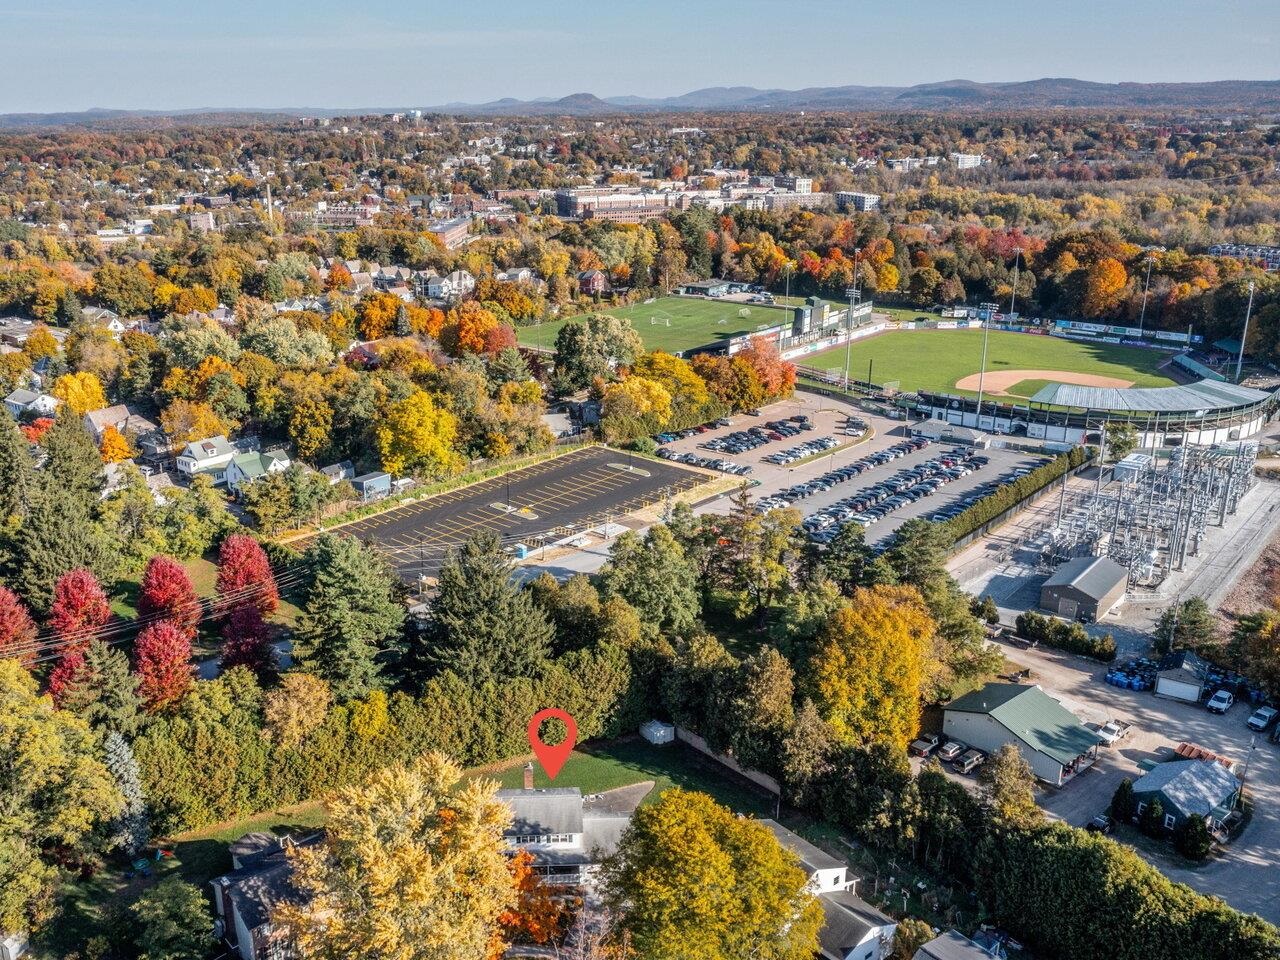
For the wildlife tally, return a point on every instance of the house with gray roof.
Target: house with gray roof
(260, 881)
(852, 929)
(1053, 740)
(1085, 588)
(210, 456)
(34, 404)
(954, 945)
(1189, 788)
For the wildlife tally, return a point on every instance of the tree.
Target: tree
(59, 534)
(351, 610)
(295, 708)
(95, 684)
(173, 922)
(758, 710)
(80, 608)
(1104, 282)
(131, 830)
(114, 447)
(483, 626)
(56, 794)
(539, 912)
(987, 610)
(1193, 839)
(17, 629)
(186, 421)
(594, 346)
(846, 559)
(1008, 788)
(1123, 804)
(73, 467)
(166, 593)
(244, 575)
(692, 880)
(412, 866)
(17, 476)
(246, 641)
(162, 661)
(1189, 625)
(417, 436)
(1151, 820)
(654, 576)
(1122, 439)
(80, 392)
(806, 754)
(868, 673)
(911, 935)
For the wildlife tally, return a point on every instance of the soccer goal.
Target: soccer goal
(660, 320)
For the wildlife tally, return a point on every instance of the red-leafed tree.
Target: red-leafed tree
(244, 575)
(162, 661)
(17, 629)
(79, 608)
(246, 641)
(167, 594)
(65, 675)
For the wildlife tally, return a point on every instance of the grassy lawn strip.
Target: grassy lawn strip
(866, 435)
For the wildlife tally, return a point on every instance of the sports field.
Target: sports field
(1018, 364)
(674, 324)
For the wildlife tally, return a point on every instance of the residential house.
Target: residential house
(124, 418)
(567, 834)
(245, 468)
(260, 881)
(372, 486)
(593, 282)
(1189, 788)
(852, 929)
(516, 275)
(210, 456)
(335, 473)
(452, 287)
(1051, 738)
(954, 945)
(29, 402)
(102, 317)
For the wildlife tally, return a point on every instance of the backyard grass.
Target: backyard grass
(936, 359)
(674, 324)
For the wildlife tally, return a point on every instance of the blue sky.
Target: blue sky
(76, 54)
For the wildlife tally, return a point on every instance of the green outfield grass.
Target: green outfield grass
(936, 359)
(674, 324)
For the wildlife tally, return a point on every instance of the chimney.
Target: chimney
(528, 776)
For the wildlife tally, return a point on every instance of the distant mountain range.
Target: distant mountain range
(949, 95)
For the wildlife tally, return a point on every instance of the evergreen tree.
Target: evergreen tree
(131, 830)
(1123, 804)
(1151, 820)
(74, 466)
(846, 558)
(16, 474)
(403, 327)
(96, 685)
(351, 609)
(483, 626)
(70, 311)
(508, 366)
(1194, 840)
(58, 535)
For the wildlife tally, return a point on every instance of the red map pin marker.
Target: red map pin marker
(552, 757)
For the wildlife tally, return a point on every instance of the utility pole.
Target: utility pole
(1244, 336)
(990, 310)
(1146, 288)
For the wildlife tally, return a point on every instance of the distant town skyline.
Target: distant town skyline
(77, 54)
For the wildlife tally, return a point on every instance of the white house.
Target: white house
(209, 456)
(852, 929)
(245, 468)
(102, 317)
(28, 401)
(455, 285)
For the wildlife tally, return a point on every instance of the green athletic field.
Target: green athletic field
(936, 359)
(674, 324)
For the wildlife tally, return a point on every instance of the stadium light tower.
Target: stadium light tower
(990, 310)
(1013, 299)
(1244, 336)
(854, 296)
(1146, 288)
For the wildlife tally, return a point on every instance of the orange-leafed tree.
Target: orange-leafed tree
(115, 446)
(540, 912)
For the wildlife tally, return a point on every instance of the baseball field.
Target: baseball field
(674, 324)
(1018, 364)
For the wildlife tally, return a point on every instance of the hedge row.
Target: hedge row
(1071, 637)
(1011, 494)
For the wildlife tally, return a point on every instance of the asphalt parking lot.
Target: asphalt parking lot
(550, 500)
(828, 417)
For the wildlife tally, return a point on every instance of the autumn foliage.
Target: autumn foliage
(79, 608)
(244, 575)
(167, 594)
(540, 912)
(162, 661)
(246, 641)
(17, 629)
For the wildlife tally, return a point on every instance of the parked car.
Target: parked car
(1101, 824)
(924, 746)
(951, 749)
(1262, 718)
(1220, 702)
(970, 760)
(1113, 731)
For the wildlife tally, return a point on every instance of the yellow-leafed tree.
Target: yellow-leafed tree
(185, 421)
(870, 667)
(417, 436)
(81, 392)
(115, 446)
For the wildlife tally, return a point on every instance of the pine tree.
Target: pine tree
(351, 609)
(74, 465)
(162, 662)
(484, 626)
(17, 629)
(132, 829)
(16, 473)
(59, 534)
(246, 641)
(80, 608)
(96, 685)
(166, 593)
(403, 327)
(244, 574)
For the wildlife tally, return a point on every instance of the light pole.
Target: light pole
(1013, 300)
(1146, 288)
(990, 310)
(1244, 336)
(854, 296)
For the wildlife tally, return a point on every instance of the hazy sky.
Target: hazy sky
(172, 54)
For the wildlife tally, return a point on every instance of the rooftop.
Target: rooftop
(1202, 395)
(1033, 716)
(1195, 786)
(1093, 576)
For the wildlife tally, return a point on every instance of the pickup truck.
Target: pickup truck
(927, 743)
(1111, 732)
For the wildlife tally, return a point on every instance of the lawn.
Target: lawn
(936, 359)
(674, 324)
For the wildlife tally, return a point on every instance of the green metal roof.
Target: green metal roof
(1032, 716)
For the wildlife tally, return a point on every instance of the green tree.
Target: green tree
(1123, 804)
(1193, 839)
(1008, 788)
(805, 756)
(173, 922)
(102, 691)
(759, 708)
(847, 558)
(1188, 625)
(351, 610)
(692, 880)
(60, 534)
(131, 830)
(73, 465)
(911, 935)
(594, 346)
(1122, 439)
(1151, 820)
(654, 576)
(16, 474)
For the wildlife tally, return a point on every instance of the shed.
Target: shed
(1189, 788)
(657, 732)
(1086, 588)
(1182, 676)
(1051, 738)
(371, 486)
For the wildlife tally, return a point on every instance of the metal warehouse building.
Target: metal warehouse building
(1086, 587)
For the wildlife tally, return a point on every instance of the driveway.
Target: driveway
(1245, 873)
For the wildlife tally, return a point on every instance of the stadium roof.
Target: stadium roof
(1188, 398)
